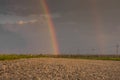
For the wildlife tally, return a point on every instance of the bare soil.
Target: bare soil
(59, 69)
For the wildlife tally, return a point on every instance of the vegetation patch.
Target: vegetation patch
(94, 57)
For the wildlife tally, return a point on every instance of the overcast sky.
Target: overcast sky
(82, 26)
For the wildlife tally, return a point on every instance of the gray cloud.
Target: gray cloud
(20, 7)
(10, 40)
(36, 35)
(77, 22)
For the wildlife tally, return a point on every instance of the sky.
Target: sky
(81, 26)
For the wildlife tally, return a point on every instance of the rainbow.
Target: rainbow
(50, 24)
(100, 36)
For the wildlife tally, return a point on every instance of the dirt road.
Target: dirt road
(59, 69)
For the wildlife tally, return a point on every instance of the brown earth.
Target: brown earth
(59, 69)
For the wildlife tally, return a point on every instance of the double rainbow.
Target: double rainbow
(100, 37)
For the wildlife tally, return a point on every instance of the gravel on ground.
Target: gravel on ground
(59, 69)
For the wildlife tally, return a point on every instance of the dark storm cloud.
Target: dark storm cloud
(2, 31)
(28, 7)
(20, 7)
(85, 12)
(10, 40)
(76, 22)
(73, 7)
(34, 33)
